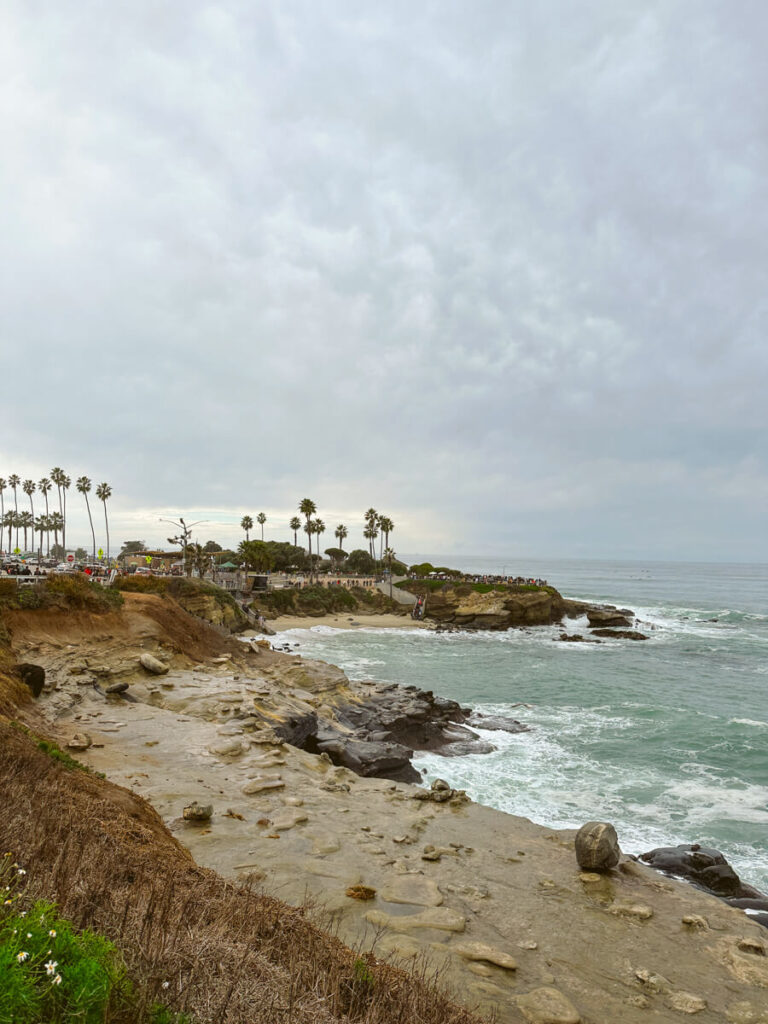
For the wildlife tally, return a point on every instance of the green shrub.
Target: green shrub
(73, 591)
(51, 972)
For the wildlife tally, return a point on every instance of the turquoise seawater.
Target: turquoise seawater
(667, 738)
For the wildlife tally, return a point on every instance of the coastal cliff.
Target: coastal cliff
(485, 606)
(497, 902)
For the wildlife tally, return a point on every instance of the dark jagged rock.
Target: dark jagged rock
(498, 723)
(380, 760)
(609, 616)
(620, 634)
(575, 638)
(704, 866)
(377, 737)
(297, 729)
(33, 676)
(117, 688)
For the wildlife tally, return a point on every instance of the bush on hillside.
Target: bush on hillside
(73, 592)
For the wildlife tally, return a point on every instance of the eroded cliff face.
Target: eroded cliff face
(500, 609)
(213, 610)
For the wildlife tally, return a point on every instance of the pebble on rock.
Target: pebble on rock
(684, 1002)
(597, 846)
(440, 918)
(198, 812)
(117, 688)
(479, 951)
(80, 741)
(153, 665)
(361, 892)
(548, 1006)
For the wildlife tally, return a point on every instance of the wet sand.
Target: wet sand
(343, 620)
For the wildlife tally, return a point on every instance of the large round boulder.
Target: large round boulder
(597, 846)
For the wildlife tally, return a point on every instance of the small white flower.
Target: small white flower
(21, 957)
(165, 984)
(52, 933)
(56, 980)
(50, 967)
(7, 903)
(29, 935)
(22, 871)
(23, 913)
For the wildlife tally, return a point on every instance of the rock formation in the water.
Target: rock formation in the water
(468, 606)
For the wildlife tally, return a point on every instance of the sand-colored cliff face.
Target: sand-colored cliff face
(496, 900)
(461, 605)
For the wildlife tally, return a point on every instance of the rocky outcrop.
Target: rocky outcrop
(707, 869)
(607, 615)
(33, 676)
(620, 634)
(462, 606)
(367, 757)
(377, 736)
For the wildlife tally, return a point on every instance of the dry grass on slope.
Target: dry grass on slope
(229, 954)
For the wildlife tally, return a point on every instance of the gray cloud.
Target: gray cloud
(497, 268)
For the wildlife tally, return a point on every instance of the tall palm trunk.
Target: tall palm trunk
(32, 506)
(90, 520)
(64, 526)
(106, 524)
(16, 513)
(47, 532)
(61, 513)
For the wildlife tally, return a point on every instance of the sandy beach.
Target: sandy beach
(344, 620)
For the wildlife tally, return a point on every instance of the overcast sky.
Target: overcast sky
(498, 269)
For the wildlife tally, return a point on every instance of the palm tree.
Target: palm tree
(341, 532)
(261, 519)
(371, 530)
(9, 521)
(3, 485)
(319, 528)
(56, 521)
(389, 554)
(29, 489)
(246, 523)
(386, 526)
(295, 525)
(65, 484)
(84, 485)
(308, 508)
(42, 526)
(103, 492)
(14, 480)
(58, 476)
(370, 533)
(44, 486)
(25, 522)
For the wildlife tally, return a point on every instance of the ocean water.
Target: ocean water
(667, 738)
